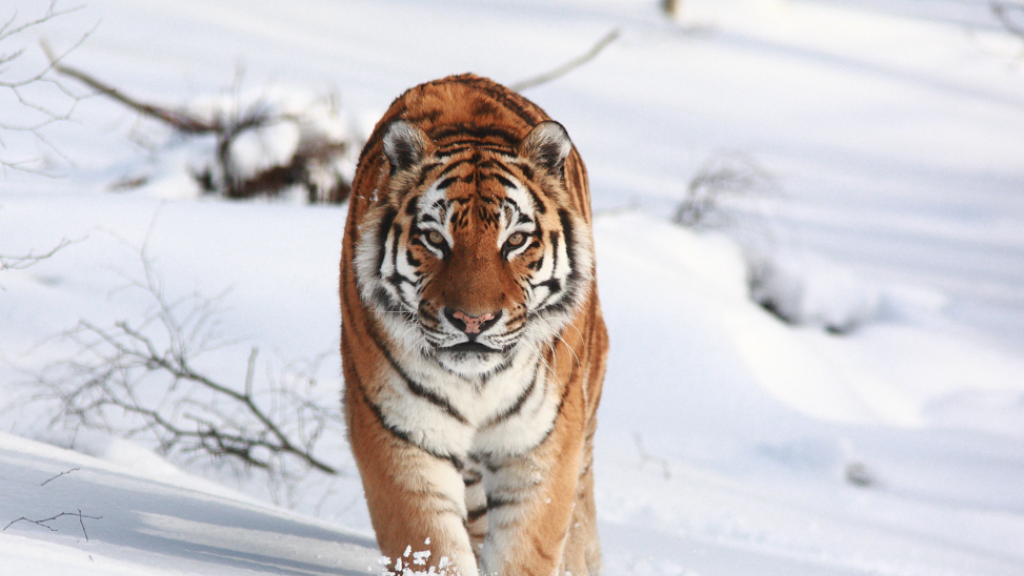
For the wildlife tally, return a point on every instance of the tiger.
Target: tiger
(472, 340)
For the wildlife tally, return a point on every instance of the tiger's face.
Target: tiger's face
(473, 258)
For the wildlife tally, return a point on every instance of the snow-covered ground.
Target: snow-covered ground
(730, 443)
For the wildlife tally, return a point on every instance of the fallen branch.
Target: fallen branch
(309, 166)
(568, 66)
(43, 522)
(51, 479)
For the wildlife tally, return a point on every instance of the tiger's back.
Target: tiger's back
(472, 338)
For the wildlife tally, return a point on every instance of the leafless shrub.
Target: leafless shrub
(723, 178)
(313, 165)
(141, 380)
(20, 81)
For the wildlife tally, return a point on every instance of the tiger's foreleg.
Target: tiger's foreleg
(416, 499)
(531, 500)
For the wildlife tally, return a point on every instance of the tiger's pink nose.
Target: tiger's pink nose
(471, 324)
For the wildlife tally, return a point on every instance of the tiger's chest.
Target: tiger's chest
(450, 417)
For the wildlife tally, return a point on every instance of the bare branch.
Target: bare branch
(27, 116)
(6, 31)
(306, 167)
(30, 259)
(139, 379)
(568, 66)
(59, 475)
(180, 120)
(44, 521)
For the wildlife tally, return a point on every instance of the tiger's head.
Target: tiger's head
(476, 250)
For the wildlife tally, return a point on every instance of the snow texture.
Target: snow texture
(878, 432)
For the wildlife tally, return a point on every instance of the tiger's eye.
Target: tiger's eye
(516, 239)
(435, 238)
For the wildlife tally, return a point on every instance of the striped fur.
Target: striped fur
(472, 339)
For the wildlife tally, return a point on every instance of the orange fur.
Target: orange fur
(425, 486)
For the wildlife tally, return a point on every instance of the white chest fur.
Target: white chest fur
(452, 417)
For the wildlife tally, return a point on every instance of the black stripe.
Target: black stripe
(395, 430)
(429, 395)
(517, 406)
(494, 502)
(554, 285)
(474, 515)
(568, 232)
(526, 170)
(553, 237)
(424, 174)
(537, 264)
(413, 386)
(382, 234)
(470, 132)
(397, 227)
(504, 182)
(443, 184)
(425, 393)
(537, 204)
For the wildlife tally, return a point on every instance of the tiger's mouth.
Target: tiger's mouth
(471, 347)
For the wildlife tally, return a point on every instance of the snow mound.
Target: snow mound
(807, 289)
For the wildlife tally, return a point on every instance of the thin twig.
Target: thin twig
(568, 66)
(22, 262)
(59, 475)
(178, 119)
(43, 522)
(117, 370)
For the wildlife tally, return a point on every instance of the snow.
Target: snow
(880, 431)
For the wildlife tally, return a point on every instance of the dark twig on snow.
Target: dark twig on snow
(568, 66)
(178, 119)
(52, 478)
(44, 521)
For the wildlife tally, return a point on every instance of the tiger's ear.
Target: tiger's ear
(547, 145)
(405, 144)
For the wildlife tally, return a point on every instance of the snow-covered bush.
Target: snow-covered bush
(279, 141)
(727, 194)
(809, 290)
(274, 142)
